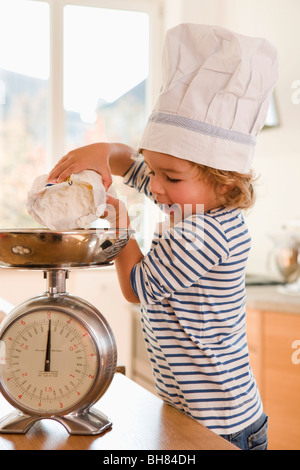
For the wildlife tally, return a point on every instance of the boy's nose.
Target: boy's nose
(155, 185)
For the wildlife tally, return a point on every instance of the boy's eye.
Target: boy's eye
(173, 180)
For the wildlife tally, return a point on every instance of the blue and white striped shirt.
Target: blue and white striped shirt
(191, 286)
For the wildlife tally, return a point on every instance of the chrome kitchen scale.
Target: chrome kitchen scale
(58, 353)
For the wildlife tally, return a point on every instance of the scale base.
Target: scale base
(89, 422)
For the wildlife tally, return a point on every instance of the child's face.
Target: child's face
(177, 181)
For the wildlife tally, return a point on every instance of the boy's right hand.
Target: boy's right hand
(90, 157)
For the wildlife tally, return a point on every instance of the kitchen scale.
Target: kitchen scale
(58, 353)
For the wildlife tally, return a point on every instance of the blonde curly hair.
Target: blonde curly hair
(234, 190)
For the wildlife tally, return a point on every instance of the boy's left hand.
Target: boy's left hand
(116, 213)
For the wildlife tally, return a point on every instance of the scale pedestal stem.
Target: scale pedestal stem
(56, 281)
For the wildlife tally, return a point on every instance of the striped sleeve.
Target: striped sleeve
(138, 178)
(184, 254)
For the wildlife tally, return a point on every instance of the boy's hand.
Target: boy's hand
(91, 157)
(116, 213)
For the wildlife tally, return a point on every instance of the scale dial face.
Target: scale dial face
(49, 362)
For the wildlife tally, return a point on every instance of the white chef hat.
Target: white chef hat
(214, 98)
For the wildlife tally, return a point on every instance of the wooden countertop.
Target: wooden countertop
(272, 298)
(141, 421)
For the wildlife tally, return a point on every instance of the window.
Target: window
(24, 103)
(71, 73)
(106, 56)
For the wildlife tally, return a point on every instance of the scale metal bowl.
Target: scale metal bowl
(48, 249)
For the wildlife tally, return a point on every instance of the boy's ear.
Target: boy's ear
(224, 188)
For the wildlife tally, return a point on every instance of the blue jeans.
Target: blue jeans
(253, 437)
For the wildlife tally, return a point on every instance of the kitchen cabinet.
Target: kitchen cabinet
(273, 331)
(282, 379)
(254, 337)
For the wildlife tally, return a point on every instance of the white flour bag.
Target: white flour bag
(74, 203)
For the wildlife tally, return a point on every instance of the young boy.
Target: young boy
(195, 160)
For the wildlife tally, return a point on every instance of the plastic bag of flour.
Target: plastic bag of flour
(74, 203)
